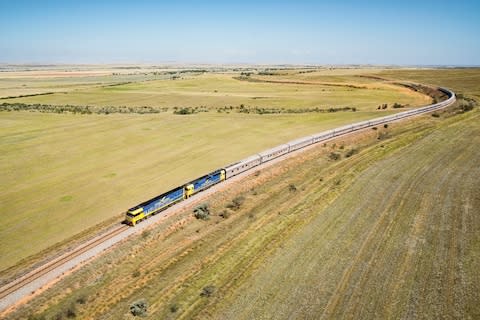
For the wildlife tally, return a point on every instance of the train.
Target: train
(153, 206)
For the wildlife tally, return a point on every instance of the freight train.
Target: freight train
(167, 199)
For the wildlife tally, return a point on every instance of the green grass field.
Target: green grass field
(389, 232)
(63, 174)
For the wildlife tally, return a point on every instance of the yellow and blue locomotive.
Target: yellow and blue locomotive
(165, 200)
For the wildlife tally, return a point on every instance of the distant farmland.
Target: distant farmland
(223, 90)
(76, 171)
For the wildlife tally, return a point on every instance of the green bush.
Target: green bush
(466, 104)
(71, 311)
(208, 291)
(184, 111)
(174, 308)
(397, 105)
(81, 299)
(202, 212)
(139, 308)
(47, 108)
(351, 152)
(334, 156)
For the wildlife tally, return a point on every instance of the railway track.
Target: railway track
(52, 265)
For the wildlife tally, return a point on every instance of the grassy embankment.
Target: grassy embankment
(464, 81)
(389, 232)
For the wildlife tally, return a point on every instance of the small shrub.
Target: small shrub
(202, 212)
(397, 105)
(225, 214)
(292, 187)
(466, 104)
(236, 203)
(467, 107)
(435, 115)
(184, 111)
(334, 156)
(81, 299)
(145, 234)
(208, 291)
(351, 152)
(71, 311)
(174, 308)
(139, 308)
(385, 125)
(136, 274)
(374, 128)
(58, 316)
(382, 136)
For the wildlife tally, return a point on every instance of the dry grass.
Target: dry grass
(64, 174)
(465, 81)
(395, 244)
(219, 90)
(386, 233)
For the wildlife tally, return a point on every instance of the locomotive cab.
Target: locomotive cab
(134, 215)
(189, 190)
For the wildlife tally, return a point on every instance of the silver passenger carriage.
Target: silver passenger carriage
(241, 166)
(274, 152)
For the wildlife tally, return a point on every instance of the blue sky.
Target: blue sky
(291, 32)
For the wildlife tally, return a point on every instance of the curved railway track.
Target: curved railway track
(52, 265)
(22, 282)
